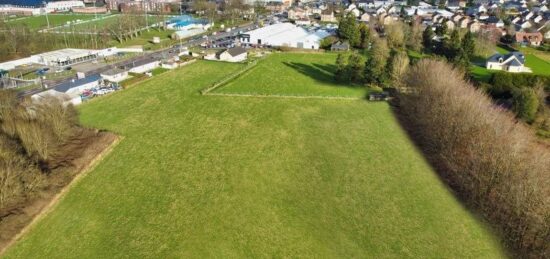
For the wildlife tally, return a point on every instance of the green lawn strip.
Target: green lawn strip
(293, 74)
(537, 65)
(199, 176)
(158, 71)
(481, 74)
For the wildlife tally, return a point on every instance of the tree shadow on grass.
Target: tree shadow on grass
(323, 73)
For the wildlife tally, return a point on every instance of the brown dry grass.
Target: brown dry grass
(493, 161)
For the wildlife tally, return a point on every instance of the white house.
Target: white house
(236, 54)
(63, 6)
(143, 65)
(512, 62)
(114, 75)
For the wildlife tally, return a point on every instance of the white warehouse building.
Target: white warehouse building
(284, 35)
(65, 57)
(63, 6)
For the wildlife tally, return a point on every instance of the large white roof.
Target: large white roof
(65, 54)
(286, 33)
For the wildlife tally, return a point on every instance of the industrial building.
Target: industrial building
(284, 35)
(65, 57)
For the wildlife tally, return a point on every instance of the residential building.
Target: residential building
(328, 16)
(529, 38)
(512, 62)
(340, 46)
(115, 75)
(236, 54)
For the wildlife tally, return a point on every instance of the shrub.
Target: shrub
(493, 162)
(503, 83)
(526, 104)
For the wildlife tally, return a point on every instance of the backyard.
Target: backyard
(218, 176)
(536, 64)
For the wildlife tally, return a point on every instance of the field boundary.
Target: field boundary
(231, 77)
(61, 194)
(283, 96)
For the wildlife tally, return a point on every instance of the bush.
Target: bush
(503, 83)
(526, 104)
(494, 163)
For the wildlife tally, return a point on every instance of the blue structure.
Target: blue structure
(185, 20)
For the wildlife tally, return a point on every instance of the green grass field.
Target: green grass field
(233, 177)
(40, 22)
(91, 26)
(538, 65)
(295, 74)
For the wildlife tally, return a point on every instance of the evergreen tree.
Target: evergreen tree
(348, 29)
(427, 39)
(468, 44)
(461, 60)
(341, 74)
(356, 67)
(441, 30)
(526, 104)
(452, 45)
(365, 39)
(376, 71)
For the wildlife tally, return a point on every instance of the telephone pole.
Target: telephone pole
(46, 10)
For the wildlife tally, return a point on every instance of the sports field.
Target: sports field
(41, 22)
(234, 177)
(296, 74)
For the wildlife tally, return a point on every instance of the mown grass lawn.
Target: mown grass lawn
(294, 74)
(537, 65)
(41, 22)
(215, 176)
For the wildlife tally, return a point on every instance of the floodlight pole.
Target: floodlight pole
(46, 9)
(145, 10)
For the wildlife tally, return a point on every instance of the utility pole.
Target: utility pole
(46, 9)
(145, 10)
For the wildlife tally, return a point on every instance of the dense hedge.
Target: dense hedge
(502, 83)
(491, 160)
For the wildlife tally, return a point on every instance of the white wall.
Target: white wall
(145, 68)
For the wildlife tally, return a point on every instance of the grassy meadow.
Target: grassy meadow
(295, 74)
(233, 177)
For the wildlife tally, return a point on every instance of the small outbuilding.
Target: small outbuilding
(115, 75)
(235, 54)
(340, 46)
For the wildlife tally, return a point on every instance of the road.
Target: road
(159, 54)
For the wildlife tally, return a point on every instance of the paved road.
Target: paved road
(159, 54)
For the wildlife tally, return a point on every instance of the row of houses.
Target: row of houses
(528, 20)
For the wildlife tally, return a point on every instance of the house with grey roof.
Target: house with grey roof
(513, 62)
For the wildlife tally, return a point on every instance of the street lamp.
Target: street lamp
(46, 9)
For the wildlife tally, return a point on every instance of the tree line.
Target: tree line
(496, 164)
(30, 135)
